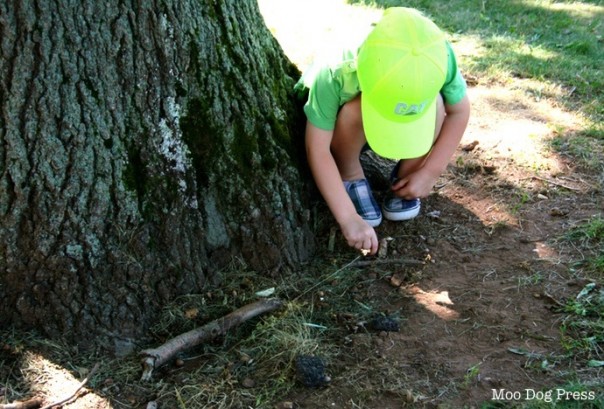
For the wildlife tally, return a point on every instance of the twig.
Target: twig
(328, 277)
(575, 189)
(552, 299)
(156, 357)
(82, 384)
(365, 263)
(28, 404)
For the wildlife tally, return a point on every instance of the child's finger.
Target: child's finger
(399, 184)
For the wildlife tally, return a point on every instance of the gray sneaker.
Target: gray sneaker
(397, 209)
(363, 200)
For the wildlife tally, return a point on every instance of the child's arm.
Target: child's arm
(356, 231)
(420, 182)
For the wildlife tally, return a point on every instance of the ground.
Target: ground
(483, 312)
(476, 284)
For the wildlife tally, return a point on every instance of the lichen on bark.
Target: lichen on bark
(141, 147)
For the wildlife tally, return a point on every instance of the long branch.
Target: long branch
(156, 357)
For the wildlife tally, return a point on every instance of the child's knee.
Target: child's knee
(350, 113)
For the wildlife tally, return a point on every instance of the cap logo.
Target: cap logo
(403, 108)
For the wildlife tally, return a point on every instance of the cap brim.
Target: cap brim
(399, 140)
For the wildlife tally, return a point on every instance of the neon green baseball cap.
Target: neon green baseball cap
(401, 66)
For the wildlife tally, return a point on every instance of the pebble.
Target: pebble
(248, 383)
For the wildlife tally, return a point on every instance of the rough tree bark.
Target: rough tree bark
(144, 145)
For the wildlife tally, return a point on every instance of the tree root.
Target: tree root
(156, 357)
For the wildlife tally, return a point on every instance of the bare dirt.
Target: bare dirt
(483, 313)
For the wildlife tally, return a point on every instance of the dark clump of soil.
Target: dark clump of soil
(311, 371)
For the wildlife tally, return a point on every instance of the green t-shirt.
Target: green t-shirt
(331, 85)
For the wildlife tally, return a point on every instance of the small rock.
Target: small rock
(396, 280)
(383, 248)
(285, 405)
(557, 212)
(248, 383)
(470, 146)
(245, 358)
(311, 371)
(385, 323)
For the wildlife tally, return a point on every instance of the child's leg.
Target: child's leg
(348, 140)
(410, 165)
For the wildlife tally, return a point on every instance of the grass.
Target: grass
(263, 351)
(582, 327)
(550, 49)
(558, 43)
(589, 238)
(584, 324)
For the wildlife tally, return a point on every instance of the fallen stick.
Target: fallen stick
(565, 186)
(156, 357)
(27, 404)
(409, 262)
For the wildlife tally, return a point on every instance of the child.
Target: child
(401, 95)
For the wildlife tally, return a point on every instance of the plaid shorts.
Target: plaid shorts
(363, 200)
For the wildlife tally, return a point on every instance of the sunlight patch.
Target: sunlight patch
(322, 33)
(54, 383)
(436, 302)
(576, 8)
(516, 124)
(546, 252)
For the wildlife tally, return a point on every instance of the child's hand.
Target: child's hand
(415, 185)
(359, 234)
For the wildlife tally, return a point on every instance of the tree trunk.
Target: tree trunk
(144, 145)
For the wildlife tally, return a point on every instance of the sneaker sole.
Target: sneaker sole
(400, 216)
(374, 222)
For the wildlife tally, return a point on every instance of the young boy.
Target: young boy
(401, 95)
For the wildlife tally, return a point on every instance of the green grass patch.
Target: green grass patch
(589, 238)
(586, 147)
(582, 327)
